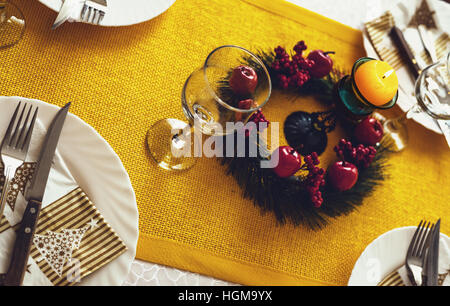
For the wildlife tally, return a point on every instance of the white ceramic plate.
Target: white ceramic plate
(405, 102)
(384, 255)
(91, 160)
(124, 12)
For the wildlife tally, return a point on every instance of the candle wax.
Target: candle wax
(377, 82)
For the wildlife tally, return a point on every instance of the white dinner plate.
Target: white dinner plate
(124, 12)
(383, 256)
(405, 102)
(99, 172)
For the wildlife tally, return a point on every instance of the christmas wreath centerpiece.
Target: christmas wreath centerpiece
(298, 189)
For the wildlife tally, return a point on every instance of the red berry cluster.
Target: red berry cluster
(258, 117)
(315, 179)
(361, 156)
(292, 72)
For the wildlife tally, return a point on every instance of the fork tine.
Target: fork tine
(83, 11)
(413, 240)
(426, 243)
(100, 18)
(426, 233)
(423, 240)
(94, 14)
(13, 140)
(89, 13)
(7, 136)
(27, 139)
(420, 238)
(22, 130)
(417, 237)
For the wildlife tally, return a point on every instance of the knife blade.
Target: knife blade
(434, 257)
(64, 14)
(34, 195)
(430, 270)
(37, 186)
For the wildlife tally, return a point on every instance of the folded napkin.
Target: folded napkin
(403, 16)
(400, 277)
(72, 238)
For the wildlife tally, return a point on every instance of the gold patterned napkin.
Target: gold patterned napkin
(71, 230)
(72, 239)
(398, 278)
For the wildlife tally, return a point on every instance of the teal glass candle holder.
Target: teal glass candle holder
(351, 102)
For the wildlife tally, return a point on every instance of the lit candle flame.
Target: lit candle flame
(388, 73)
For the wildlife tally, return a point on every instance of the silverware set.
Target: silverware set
(423, 254)
(419, 249)
(93, 11)
(14, 149)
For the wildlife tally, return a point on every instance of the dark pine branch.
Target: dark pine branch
(287, 198)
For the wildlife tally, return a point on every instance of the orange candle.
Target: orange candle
(377, 82)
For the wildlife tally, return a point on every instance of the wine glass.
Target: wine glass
(209, 104)
(432, 93)
(12, 24)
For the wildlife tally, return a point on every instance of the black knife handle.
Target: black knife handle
(22, 245)
(399, 40)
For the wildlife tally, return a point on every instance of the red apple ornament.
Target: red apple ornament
(247, 104)
(289, 161)
(244, 104)
(243, 80)
(342, 175)
(369, 131)
(322, 63)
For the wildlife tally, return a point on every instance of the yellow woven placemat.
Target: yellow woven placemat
(121, 80)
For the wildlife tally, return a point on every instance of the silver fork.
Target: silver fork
(93, 11)
(14, 147)
(417, 249)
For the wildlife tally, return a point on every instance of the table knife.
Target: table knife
(400, 42)
(64, 14)
(430, 272)
(34, 195)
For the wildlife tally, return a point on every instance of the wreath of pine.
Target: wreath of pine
(287, 198)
